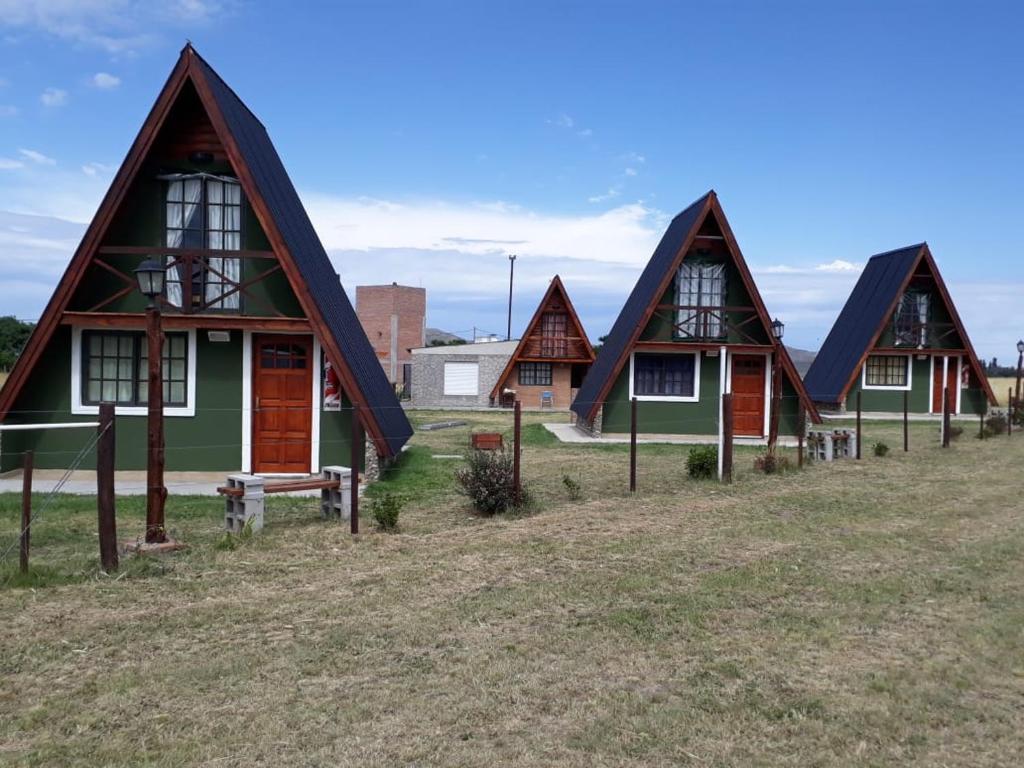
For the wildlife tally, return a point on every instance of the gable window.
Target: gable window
(887, 372)
(911, 319)
(553, 327)
(204, 212)
(670, 376)
(535, 374)
(701, 296)
(115, 368)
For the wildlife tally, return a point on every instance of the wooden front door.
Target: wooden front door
(748, 372)
(952, 382)
(282, 391)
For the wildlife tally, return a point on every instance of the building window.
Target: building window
(701, 297)
(553, 327)
(204, 212)
(911, 320)
(115, 368)
(535, 374)
(887, 371)
(664, 375)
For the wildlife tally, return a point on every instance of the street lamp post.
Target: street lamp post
(511, 272)
(778, 328)
(1020, 365)
(151, 275)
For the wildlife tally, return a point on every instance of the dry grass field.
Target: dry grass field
(857, 614)
(1001, 386)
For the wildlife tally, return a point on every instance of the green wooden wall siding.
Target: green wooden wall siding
(209, 441)
(700, 418)
(972, 400)
(140, 222)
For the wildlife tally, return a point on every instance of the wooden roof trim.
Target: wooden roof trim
(555, 285)
(958, 324)
(662, 287)
(280, 248)
(94, 234)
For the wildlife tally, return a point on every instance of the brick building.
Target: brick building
(394, 318)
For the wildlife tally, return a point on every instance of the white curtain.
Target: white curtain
(701, 285)
(922, 318)
(224, 233)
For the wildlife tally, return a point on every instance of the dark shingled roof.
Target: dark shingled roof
(856, 326)
(632, 313)
(311, 259)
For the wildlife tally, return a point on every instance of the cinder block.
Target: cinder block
(336, 503)
(239, 510)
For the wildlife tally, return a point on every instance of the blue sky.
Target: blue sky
(430, 139)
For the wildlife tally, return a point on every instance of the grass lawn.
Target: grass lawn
(855, 614)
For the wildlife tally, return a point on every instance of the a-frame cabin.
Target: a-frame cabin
(899, 335)
(553, 356)
(263, 354)
(693, 328)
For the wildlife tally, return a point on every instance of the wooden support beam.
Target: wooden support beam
(175, 322)
(149, 251)
(106, 512)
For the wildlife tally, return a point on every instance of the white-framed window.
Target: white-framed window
(535, 374)
(910, 322)
(112, 366)
(701, 289)
(887, 372)
(668, 376)
(461, 378)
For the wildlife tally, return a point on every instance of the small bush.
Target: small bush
(385, 510)
(572, 487)
(880, 449)
(955, 432)
(702, 462)
(995, 424)
(771, 463)
(487, 481)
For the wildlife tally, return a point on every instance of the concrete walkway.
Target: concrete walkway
(83, 483)
(568, 433)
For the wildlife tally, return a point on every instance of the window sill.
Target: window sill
(880, 388)
(667, 398)
(133, 410)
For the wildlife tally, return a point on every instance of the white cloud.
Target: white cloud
(8, 110)
(96, 169)
(37, 157)
(585, 133)
(54, 97)
(839, 266)
(105, 81)
(630, 171)
(612, 192)
(7, 164)
(634, 158)
(563, 121)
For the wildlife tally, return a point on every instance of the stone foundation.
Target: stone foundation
(593, 427)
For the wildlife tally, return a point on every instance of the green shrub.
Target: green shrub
(955, 432)
(572, 487)
(385, 509)
(487, 481)
(880, 449)
(995, 424)
(771, 463)
(702, 462)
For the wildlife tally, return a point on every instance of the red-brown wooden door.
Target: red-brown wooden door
(952, 382)
(748, 372)
(282, 403)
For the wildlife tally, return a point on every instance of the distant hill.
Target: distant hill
(436, 336)
(802, 359)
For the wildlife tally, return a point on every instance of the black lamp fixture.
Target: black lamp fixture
(1020, 346)
(151, 275)
(778, 328)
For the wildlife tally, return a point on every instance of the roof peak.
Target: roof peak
(904, 249)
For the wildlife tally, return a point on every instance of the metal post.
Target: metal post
(1020, 367)
(511, 273)
(516, 451)
(28, 462)
(945, 417)
(632, 446)
(357, 439)
(156, 493)
(105, 448)
(906, 421)
(727, 430)
(859, 438)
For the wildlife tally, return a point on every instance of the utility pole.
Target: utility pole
(511, 273)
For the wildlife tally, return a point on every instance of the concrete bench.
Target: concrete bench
(244, 496)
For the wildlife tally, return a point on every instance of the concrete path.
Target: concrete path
(83, 483)
(568, 433)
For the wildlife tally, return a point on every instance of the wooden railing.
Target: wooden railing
(554, 347)
(709, 323)
(923, 335)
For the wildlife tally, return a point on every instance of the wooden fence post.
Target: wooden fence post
(632, 446)
(945, 417)
(981, 425)
(859, 436)
(1009, 412)
(906, 421)
(356, 440)
(25, 541)
(517, 450)
(801, 428)
(727, 430)
(105, 451)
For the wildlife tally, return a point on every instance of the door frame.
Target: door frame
(959, 383)
(767, 385)
(248, 395)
